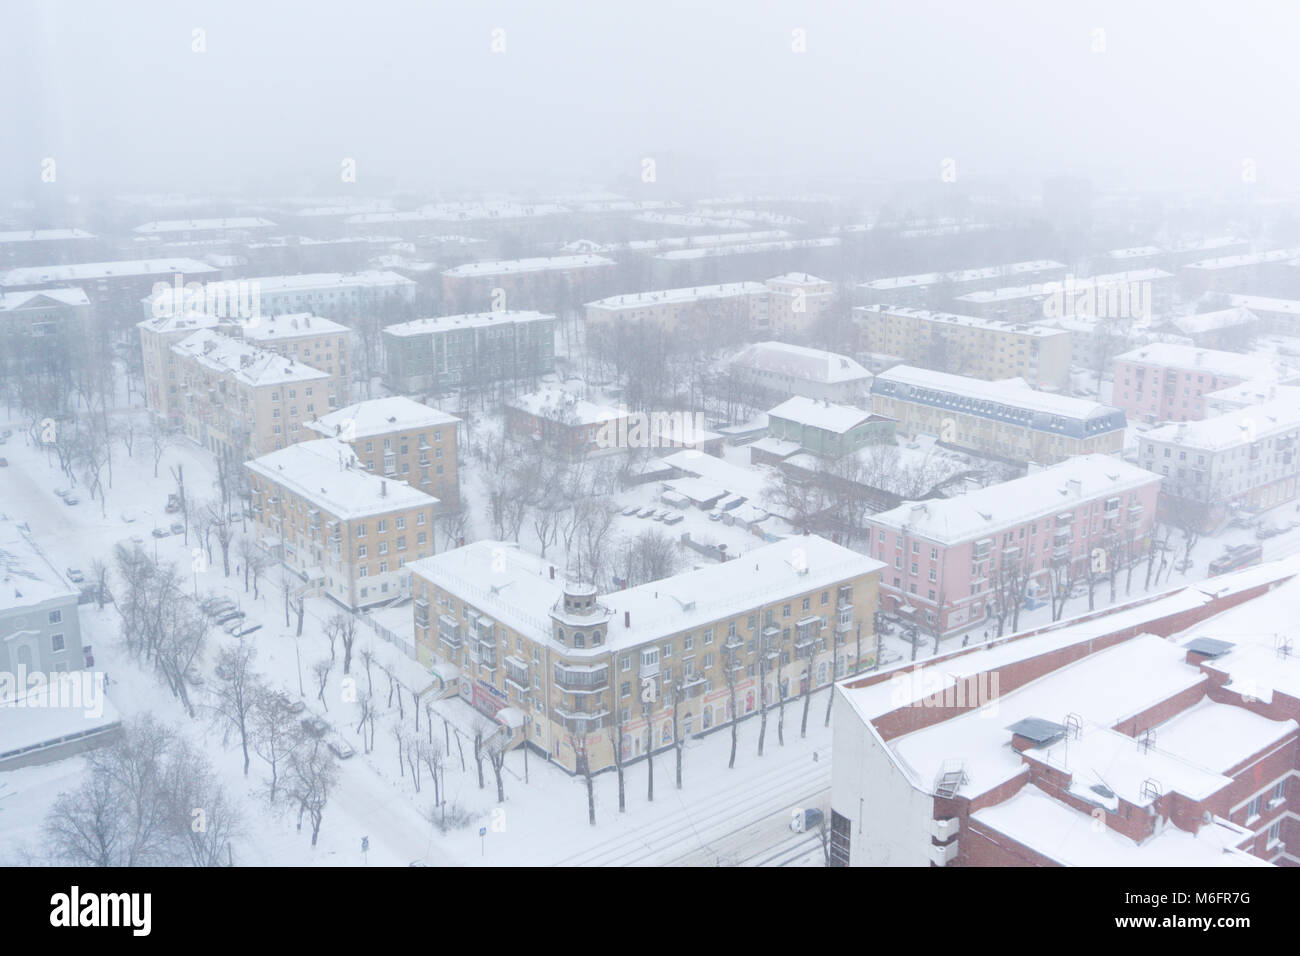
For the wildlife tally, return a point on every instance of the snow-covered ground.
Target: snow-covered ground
(543, 821)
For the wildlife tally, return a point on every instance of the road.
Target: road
(765, 841)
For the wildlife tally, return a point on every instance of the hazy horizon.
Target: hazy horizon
(1169, 95)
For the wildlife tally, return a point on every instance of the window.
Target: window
(361, 551)
(1252, 808)
(57, 643)
(56, 617)
(625, 662)
(688, 642)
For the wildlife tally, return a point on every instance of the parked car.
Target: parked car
(315, 726)
(674, 519)
(232, 626)
(177, 528)
(659, 515)
(340, 748)
(75, 575)
(129, 517)
(715, 515)
(248, 630)
(4, 462)
(62, 492)
(805, 821)
(136, 539)
(194, 679)
(1265, 531)
(72, 500)
(160, 533)
(630, 510)
(1184, 565)
(645, 512)
(225, 617)
(7, 433)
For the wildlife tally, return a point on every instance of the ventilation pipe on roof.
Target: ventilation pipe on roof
(627, 618)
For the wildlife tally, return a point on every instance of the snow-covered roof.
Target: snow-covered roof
(749, 481)
(827, 416)
(1253, 392)
(9, 301)
(1243, 426)
(1056, 830)
(1212, 321)
(380, 416)
(971, 395)
(267, 286)
(961, 276)
(747, 248)
(798, 361)
(558, 405)
(200, 225)
(43, 235)
(640, 300)
(189, 321)
(491, 210)
(291, 325)
(1135, 252)
(987, 511)
(244, 362)
(1245, 259)
(948, 318)
(27, 577)
(516, 588)
(1259, 663)
(1069, 286)
(442, 323)
(539, 264)
(797, 278)
(328, 474)
(1219, 736)
(86, 271)
(1102, 689)
(1191, 358)
(1263, 303)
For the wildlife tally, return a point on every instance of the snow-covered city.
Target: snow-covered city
(482, 466)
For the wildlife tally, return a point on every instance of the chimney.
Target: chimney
(383, 489)
(627, 618)
(1076, 487)
(552, 572)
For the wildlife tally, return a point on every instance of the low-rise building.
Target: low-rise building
(40, 631)
(796, 301)
(1245, 458)
(1259, 273)
(468, 351)
(955, 562)
(38, 329)
(738, 306)
(114, 288)
(824, 429)
(240, 401)
(335, 295)
(345, 532)
(568, 668)
(936, 290)
(776, 370)
(1163, 734)
(553, 283)
(966, 345)
(1007, 420)
(401, 440)
(1136, 295)
(1164, 381)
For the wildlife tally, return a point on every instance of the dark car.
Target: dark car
(805, 821)
(315, 726)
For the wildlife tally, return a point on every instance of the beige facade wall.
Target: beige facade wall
(424, 458)
(523, 672)
(360, 560)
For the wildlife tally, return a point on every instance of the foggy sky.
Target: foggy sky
(412, 91)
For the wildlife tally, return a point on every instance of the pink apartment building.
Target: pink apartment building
(1165, 382)
(950, 561)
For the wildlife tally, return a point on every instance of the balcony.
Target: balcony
(517, 673)
(449, 631)
(579, 679)
(421, 613)
(581, 722)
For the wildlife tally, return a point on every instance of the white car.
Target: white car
(129, 517)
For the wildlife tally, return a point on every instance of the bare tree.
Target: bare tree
(313, 773)
(276, 734)
(321, 671)
(236, 692)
